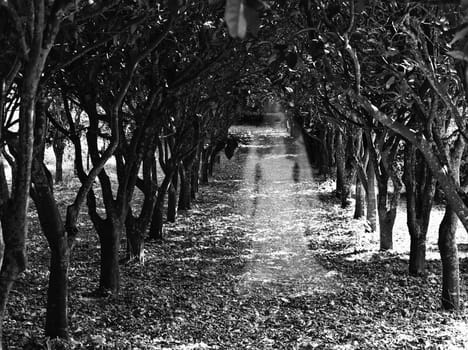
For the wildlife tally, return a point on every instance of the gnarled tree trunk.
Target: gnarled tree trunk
(109, 232)
(382, 151)
(135, 239)
(449, 257)
(359, 204)
(420, 190)
(155, 231)
(59, 151)
(195, 178)
(205, 165)
(185, 185)
(172, 198)
(371, 198)
(57, 238)
(447, 238)
(340, 165)
(387, 205)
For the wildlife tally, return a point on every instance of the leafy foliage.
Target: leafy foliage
(165, 78)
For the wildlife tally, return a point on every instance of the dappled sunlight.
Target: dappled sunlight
(461, 340)
(401, 235)
(278, 200)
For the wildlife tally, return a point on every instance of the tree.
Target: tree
(30, 34)
(412, 65)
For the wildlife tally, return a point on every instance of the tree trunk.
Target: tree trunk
(349, 169)
(195, 176)
(42, 26)
(155, 231)
(449, 257)
(371, 198)
(386, 222)
(59, 150)
(359, 204)
(59, 166)
(331, 149)
(417, 259)
(386, 217)
(135, 239)
(136, 226)
(420, 190)
(57, 294)
(15, 213)
(185, 187)
(14, 261)
(387, 203)
(55, 232)
(340, 164)
(447, 237)
(171, 203)
(3, 298)
(156, 226)
(433, 158)
(324, 154)
(136, 245)
(172, 197)
(205, 166)
(109, 238)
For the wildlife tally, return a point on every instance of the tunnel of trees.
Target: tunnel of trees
(142, 95)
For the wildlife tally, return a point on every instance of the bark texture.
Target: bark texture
(420, 189)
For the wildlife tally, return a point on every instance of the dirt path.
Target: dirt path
(266, 259)
(279, 199)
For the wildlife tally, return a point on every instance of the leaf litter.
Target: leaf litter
(262, 261)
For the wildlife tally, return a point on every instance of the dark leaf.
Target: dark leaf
(360, 5)
(175, 5)
(291, 59)
(255, 4)
(317, 49)
(332, 10)
(253, 22)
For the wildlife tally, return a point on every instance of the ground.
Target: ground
(266, 259)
